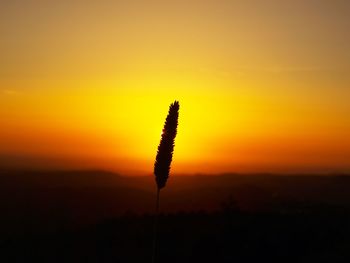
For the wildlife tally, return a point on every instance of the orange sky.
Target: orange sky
(263, 85)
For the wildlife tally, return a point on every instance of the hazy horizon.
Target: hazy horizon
(175, 131)
(137, 173)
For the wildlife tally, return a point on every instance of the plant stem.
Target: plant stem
(155, 228)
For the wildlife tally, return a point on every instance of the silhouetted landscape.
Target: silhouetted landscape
(96, 216)
(175, 131)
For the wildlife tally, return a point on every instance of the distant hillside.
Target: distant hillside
(65, 199)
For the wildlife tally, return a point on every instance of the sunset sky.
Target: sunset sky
(264, 86)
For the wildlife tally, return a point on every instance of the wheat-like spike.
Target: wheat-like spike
(163, 161)
(166, 146)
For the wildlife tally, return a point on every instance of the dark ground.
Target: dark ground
(100, 217)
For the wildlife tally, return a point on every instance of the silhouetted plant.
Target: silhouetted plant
(163, 160)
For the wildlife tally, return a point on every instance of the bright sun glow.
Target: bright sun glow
(253, 95)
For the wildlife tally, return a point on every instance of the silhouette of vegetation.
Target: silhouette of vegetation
(316, 235)
(166, 146)
(49, 217)
(163, 160)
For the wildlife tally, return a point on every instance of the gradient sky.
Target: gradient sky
(263, 85)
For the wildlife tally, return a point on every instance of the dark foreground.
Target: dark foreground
(259, 219)
(228, 236)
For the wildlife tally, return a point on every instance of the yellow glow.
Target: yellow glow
(90, 86)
